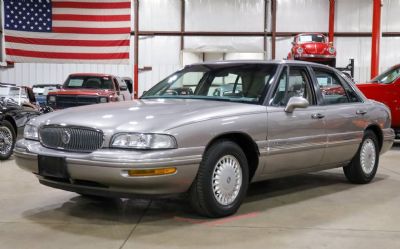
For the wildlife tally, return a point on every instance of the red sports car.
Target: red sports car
(385, 88)
(313, 47)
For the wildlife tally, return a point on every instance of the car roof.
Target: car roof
(92, 74)
(244, 62)
(46, 85)
(311, 33)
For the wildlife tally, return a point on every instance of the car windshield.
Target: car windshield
(388, 77)
(89, 82)
(14, 94)
(311, 38)
(225, 82)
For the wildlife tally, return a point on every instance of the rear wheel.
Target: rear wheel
(363, 167)
(7, 139)
(222, 180)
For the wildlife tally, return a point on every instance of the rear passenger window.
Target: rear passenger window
(331, 87)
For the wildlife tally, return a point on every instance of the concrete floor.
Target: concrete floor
(318, 210)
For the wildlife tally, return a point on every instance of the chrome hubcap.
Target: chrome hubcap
(368, 156)
(6, 140)
(227, 180)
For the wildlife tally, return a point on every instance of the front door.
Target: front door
(295, 140)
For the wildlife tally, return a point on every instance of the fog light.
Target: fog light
(151, 172)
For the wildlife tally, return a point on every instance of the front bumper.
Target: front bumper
(104, 172)
(315, 57)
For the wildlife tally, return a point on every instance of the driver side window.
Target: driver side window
(292, 83)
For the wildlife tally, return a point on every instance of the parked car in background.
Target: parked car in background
(211, 146)
(42, 90)
(126, 88)
(86, 89)
(313, 47)
(129, 83)
(385, 88)
(17, 107)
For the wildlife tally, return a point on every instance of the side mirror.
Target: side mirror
(144, 92)
(296, 102)
(293, 43)
(123, 88)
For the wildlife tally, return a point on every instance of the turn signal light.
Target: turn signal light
(151, 172)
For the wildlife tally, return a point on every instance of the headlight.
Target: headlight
(143, 141)
(31, 132)
(52, 98)
(103, 99)
(331, 50)
(300, 50)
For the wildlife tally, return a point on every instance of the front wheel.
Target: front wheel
(7, 139)
(363, 167)
(222, 180)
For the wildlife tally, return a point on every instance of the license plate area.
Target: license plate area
(53, 167)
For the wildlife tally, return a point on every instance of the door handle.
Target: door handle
(361, 112)
(317, 116)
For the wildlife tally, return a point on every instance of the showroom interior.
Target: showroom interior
(199, 124)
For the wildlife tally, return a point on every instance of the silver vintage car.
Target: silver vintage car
(288, 118)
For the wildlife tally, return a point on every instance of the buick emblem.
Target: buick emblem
(65, 137)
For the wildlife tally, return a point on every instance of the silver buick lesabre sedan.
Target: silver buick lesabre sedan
(279, 118)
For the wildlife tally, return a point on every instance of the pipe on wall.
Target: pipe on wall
(136, 51)
(331, 20)
(376, 37)
(182, 24)
(273, 28)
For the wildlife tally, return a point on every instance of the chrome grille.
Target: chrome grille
(65, 101)
(78, 139)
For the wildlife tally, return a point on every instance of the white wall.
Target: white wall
(224, 15)
(302, 15)
(164, 56)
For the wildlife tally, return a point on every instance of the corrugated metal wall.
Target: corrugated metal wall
(163, 53)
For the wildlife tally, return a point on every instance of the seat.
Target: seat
(92, 83)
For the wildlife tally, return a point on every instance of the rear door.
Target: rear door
(345, 115)
(295, 140)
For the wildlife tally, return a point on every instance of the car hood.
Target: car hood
(367, 85)
(151, 115)
(314, 47)
(92, 92)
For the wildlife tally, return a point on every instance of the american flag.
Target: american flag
(67, 31)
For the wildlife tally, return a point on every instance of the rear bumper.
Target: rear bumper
(108, 175)
(397, 133)
(388, 139)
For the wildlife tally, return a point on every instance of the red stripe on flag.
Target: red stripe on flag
(91, 18)
(91, 30)
(89, 5)
(76, 56)
(58, 42)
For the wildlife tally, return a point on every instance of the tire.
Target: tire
(231, 162)
(94, 197)
(363, 167)
(332, 63)
(7, 139)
